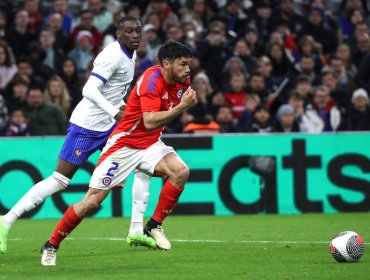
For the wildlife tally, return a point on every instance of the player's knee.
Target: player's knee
(182, 173)
(91, 205)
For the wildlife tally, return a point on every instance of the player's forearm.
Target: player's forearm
(154, 120)
(92, 93)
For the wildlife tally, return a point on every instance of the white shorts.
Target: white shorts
(116, 167)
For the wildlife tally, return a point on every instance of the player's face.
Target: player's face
(180, 69)
(130, 34)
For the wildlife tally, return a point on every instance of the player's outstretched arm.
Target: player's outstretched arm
(154, 120)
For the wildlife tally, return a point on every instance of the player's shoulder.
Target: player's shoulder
(153, 79)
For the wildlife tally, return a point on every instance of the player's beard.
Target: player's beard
(177, 78)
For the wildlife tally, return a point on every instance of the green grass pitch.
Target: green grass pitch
(203, 247)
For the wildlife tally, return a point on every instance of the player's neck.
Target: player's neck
(124, 47)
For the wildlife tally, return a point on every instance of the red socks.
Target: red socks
(167, 201)
(65, 226)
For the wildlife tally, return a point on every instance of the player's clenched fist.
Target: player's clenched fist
(189, 98)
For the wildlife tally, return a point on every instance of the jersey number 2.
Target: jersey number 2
(114, 168)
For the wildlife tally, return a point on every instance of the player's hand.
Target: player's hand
(122, 108)
(189, 98)
(119, 116)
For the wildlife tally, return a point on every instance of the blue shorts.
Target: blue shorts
(80, 143)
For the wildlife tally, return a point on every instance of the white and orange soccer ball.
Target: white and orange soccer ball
(347, 246)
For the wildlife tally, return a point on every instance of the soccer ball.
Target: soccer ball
(347, 246)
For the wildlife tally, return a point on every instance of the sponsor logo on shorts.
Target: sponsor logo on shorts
(107, 181)
(78, 153)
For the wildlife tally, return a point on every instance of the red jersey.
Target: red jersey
(150, 94)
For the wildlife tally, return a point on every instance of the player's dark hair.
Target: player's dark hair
(123, 20)
(172, 50)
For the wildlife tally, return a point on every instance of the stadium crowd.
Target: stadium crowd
(258, 66)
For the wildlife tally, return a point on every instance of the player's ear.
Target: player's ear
(166, 64)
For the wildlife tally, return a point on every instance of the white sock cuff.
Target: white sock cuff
(61, 179)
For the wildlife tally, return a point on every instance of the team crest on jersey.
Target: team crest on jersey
(179, 93)
(78, 153)
(107, 181)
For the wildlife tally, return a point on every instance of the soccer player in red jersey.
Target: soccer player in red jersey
(161, 94)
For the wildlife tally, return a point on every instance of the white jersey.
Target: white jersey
(115, 68)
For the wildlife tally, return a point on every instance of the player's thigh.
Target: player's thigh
(66, 169)
(170, 165)
(113, 169)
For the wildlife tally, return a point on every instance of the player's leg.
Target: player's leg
(162, 160)
(140, 197)
(58, 181)
(70, 220)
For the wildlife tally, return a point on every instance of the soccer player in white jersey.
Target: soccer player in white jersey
(91, 123)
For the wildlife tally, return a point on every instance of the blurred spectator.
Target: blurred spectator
(306, 66)
(62, 39)
(134, 11)
(343, 77)
(324, 107)
(323, 34)
(56, 92)
(86, 24)
(7, 65)
(192, 37)
(200, 12)
(217, 100)
(281, 65)
(344, 54)
(234, 65)
(54, 56)
(263, 20)
(17, 92)
(285, 121)
(254, 42)
(174, 32)
(235, 16)
(363, 74)
(236, 94)
(25, 67)
(241, 50)
(44, 118)
(142, 59)
(264, 67)
(18, 125)
(102, 17)
(61, 7)
(34, 15)
(260, 121)
(360, 43)
(348, 22)
(358, 117)
(4, 29)
(4, 114)
(309, 47)
(225, 120)
(19, 37)
(153, 42)
(250, 104)
(70, 77)
(110, 32)
(82, 53)
(214, 52)
(286, 12)
(163, 10)
(338, 93)
(257, 85)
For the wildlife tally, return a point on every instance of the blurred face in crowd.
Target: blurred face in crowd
(218, 99)
(360, 103)
(56, 89)
(195, 64)
(34, 98)
(329, 81)
(55, 22)
(224, 115)
(25, 68)
(174, 33)
(257, 83)
(18, 117)
(87, 19)
(68, 68)
(264, 12)
(2, 20)
(336, 65)
(262, 116)
(199, 6)
(357, 17)
(303, 88)
(85, 43)
(31, 6)
(20, 91)
(241, 48)
(200, 86)
(276, 37)
(265, 68)
(315, 18)
(155, 20)
(95, 6)
(158, 6)
(47, 39)
(21, 19)
(237, 83)
(296, 103)
(142, 49)
(361, 29)
(354, 4)
(251, 103)
(60, 6)
(343, 52)
(307, 65)
(322, 98)
(251, 37)
(363, 42)
(276, 52)
(318, 4)
(287, 120)
(287, 6)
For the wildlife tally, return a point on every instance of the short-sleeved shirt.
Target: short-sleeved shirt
(151, 94)
(115, 67)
